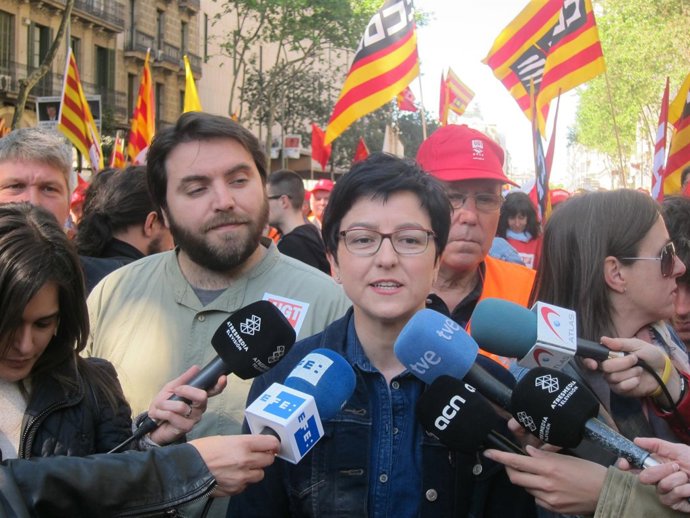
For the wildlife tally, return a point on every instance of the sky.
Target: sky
(459, 35)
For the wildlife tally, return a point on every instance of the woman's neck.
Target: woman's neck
(377, 338)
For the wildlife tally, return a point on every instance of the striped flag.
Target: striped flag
(143, 119)
(75, 119)
(117, 157)
(679, 153)
(459, 94)
(191, 97)
(660, 149)
(555, 44)
(443, 101)
(384, 64)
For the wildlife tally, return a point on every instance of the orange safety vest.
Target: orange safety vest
(507, 281)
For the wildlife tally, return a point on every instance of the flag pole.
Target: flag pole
(615, 128)
(422, 112)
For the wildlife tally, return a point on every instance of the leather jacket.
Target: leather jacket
(125, 484)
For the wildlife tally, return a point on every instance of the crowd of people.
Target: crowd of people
(100, 330)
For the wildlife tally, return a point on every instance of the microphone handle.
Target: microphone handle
(270, 431)
(609, 439)
(501, 442)
(490, 387)
(598, 352)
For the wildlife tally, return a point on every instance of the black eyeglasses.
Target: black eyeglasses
(278, 196)
(365, 242)
(667, 258)
(484, 201)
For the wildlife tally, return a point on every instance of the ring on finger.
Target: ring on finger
(189, 412)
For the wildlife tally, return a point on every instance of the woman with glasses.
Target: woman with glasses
(608, 256)
(385, 228)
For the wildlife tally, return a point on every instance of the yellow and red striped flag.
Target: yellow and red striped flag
(459, 94)
(75, 119)
(117, 157)
(385, 63)
(191, 97)
(679, 153)
(553, 43)
(143, 119)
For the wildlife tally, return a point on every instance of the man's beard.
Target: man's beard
(235, 249)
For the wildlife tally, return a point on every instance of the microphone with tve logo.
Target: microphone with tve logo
(461, 417)
(546, 336)
(315, 390)
(561, 411)
(250, 342)
(431, 345)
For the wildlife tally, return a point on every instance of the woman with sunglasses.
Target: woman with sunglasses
(608, 257)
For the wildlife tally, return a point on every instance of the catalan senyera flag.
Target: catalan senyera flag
(679, 152)
(459, 94)
(660, 148)
(405, 100)
(143, 118)
(553, 43)
(384, 64)
(191, 97)
(117, 157)
(75, 119)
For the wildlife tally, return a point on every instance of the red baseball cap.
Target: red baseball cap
(323, 185)
(458, 152)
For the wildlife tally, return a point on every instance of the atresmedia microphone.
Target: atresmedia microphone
(250, 342)
(545, 336)
(315, 390)
(431, 345)
(461, 418)
(561, 411)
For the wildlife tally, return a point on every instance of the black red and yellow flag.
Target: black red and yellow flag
(384, 64)
(555, 44)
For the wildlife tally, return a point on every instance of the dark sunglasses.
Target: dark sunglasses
(667, 258)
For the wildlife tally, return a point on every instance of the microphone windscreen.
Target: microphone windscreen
(503, 328)
(457, 414)
(553, 406)
(431, 345)
(327, 377)
(253, 339)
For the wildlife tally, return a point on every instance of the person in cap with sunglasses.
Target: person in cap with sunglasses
(470, 167)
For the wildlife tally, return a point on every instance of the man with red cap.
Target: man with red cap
(318, 200)
(470, 166)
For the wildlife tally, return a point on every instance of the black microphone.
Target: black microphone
(561, 411)
(250, 342)
(460, 417)
(545, 336)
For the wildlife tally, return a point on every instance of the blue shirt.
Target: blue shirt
(396, 455)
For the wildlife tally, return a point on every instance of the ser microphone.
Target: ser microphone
(431, 345)
(250, 342)
(561, 411)
(460, 417)
(315, 390)
(545, 336)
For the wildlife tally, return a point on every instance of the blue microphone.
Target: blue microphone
(432, 345)
(316, 389)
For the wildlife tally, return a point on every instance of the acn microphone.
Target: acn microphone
(315, 390)
(561, 411)
(431, 345)
(250, 342)
(545, 336)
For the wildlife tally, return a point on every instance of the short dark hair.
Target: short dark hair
(518, 203)
(121, 202)
(578, 237)
(286, 181)
(676, 213)
(190, 127)
(378, 177)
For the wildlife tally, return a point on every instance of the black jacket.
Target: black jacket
(115, 255)
(305, 244)
(73, 419)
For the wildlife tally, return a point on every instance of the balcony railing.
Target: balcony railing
(138, 41)
(194, 63)
(191, 5)
(169, 54)
(109, 14)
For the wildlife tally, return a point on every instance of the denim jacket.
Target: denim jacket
(333, 478)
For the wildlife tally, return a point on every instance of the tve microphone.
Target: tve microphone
(546, 336)
(315, 390)
(461, 417)
(431, 345)
(250, 342)
(561, 411)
